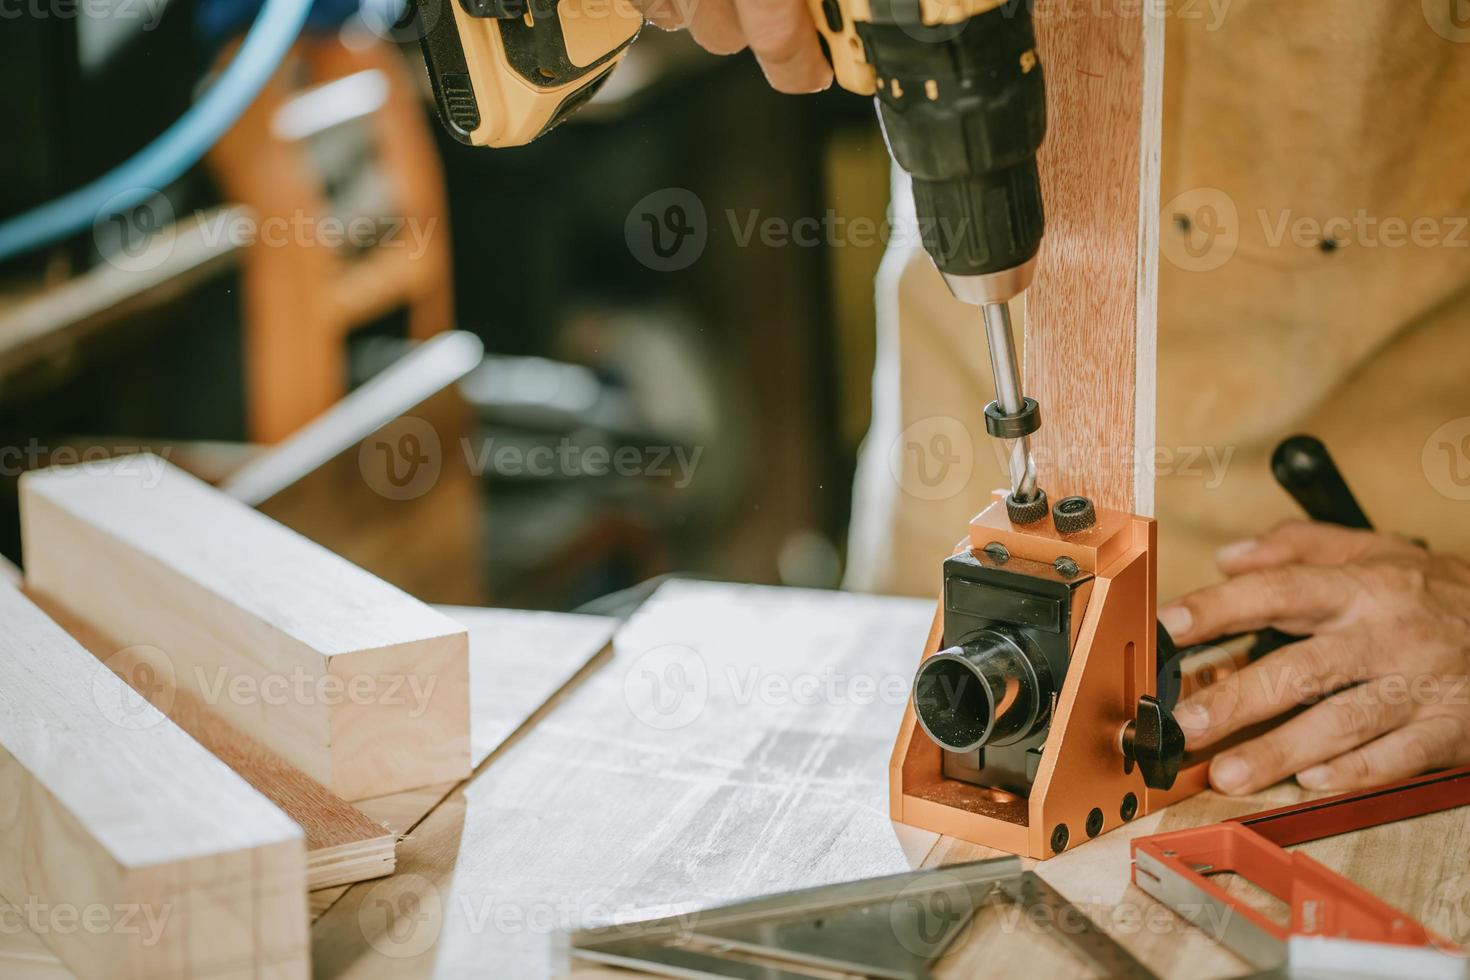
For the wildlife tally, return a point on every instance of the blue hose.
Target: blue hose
(178, 148)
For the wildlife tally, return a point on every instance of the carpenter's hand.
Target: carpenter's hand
(1386, 654)
(780, 32)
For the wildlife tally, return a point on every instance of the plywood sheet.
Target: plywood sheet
(736, 744)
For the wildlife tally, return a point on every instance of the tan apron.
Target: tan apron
(1315, 277)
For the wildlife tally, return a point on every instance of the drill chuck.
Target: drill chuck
(963, 109)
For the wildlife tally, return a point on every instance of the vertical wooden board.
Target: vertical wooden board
(359, 685)
(105, 815)
(1091, 313)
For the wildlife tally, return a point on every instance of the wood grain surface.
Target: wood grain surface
(342, 844)
(519, 660)
(595, 815)
(622, 801)
(24, 956)
(1091, 314)
(107, 807)
(534, 655)
(358, 684)
(333, 480)
(735, 744)
(55, 329)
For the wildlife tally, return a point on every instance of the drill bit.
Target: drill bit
(1006, 370)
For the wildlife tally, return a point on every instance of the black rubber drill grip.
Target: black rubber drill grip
(963, 109)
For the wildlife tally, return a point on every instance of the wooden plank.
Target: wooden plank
(594, 816)
(51, 333)
(23, 956)
(1092, 311)
(129, 849)
(420, 374)
(534, 654)
(519, 661)
(359, 685)
(736, 743)
(400, 813)
(338, 480)
(342, 844)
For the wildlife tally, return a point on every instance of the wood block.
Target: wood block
(342, 844)
(362, 687)
(330, 479)
(124, 845)
(519, 661)
(537, 653)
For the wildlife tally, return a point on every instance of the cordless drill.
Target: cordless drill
(959, 92)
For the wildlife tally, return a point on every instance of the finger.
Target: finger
(1300, 672)
(1415, 748)
(1324, 731)
(1293, 598)
(715, 26)
(1449, 568)
(1308, 543)
(784, 39)
(669, 15)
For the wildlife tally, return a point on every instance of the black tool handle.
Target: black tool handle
(1305, 470)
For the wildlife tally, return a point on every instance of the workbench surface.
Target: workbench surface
(735, 743)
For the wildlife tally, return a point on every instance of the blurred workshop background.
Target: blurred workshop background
(458, 367)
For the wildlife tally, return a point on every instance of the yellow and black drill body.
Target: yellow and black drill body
(506, 71)
(958, 87)
(959, 91)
